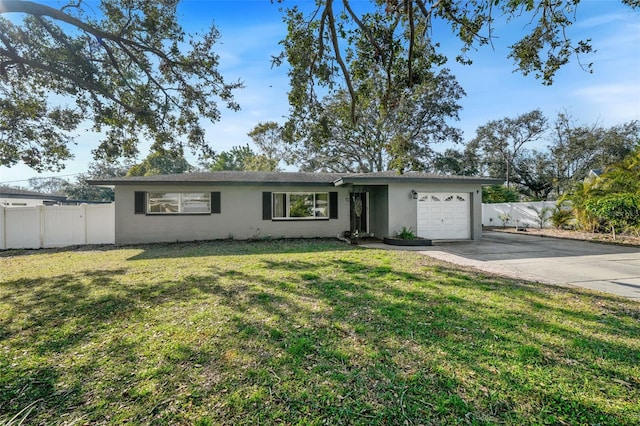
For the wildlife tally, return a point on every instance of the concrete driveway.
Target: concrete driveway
(603, 267)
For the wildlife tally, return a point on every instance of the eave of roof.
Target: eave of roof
(381, 178)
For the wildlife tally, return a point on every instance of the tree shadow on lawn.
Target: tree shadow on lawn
(330, 340)
(199, 248)
(238, 248)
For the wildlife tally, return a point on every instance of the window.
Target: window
(300, 205)
(178, 202)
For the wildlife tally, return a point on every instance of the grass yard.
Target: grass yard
(303, 332)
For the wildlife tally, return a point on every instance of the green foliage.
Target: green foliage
(243, 158)
(386, 118)
(318, 47)
(499, 194)
(505, 218)
(124, 66)
(234, 159)
(406, 234)
(612, 199)
(561, 217)
(300, 206)
(620, 211)
(161, 163)
(542, 214)
(502, 142)
(577, 148)
(454, 162)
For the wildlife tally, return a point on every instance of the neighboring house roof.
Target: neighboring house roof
(289, 178)
(8, 192)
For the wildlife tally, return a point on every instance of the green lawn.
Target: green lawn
(300, 332)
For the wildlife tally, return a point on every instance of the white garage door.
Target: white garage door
(444, 216)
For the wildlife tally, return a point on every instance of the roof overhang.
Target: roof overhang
(379, 180)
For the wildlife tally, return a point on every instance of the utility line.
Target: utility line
(48, 177)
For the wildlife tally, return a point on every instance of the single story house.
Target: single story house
(14, 197)
(245, 205)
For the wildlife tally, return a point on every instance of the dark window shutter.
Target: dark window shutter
(333, 205)
(215, 202)
(266, 206)
(139, 202)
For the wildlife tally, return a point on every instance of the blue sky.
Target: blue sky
(251, 30)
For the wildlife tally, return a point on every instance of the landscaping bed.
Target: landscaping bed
(632, 240)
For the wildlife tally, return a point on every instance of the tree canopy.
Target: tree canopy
(502, 141)
(161, 162)
(127, 67)
(391, 124)
(318, 44)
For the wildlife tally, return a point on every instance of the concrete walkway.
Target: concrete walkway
(602, 267)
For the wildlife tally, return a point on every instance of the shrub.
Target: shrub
(406, 234)
(619, 211)
(561, 217)
(504, 218)
(499, 194)
(542, 214)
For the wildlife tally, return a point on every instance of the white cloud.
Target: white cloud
(616, 103)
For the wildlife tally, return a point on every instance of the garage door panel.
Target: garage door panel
(444, 215)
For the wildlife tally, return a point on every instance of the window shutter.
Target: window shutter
(266, 206)
(333, 205)
(139, 202)
(215, 202)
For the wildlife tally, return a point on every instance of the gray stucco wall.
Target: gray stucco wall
(240, 217)
(403, 208)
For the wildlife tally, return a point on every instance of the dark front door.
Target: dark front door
(359, 212)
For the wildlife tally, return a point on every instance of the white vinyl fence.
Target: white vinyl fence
(519, 214)
(56, 226)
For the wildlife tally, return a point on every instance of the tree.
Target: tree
(577, 149)
(318, 45)
(48, 185)
(534, 173)
(81, 190)
(243, 158)
(611, 200)
(499, 194)
(267, 136)
(502, 141)
(161, 163)
(454, 162)
(127, 67)
(619, 211)
(395, 123)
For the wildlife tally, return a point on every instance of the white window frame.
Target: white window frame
(182, 199)
(319, 213)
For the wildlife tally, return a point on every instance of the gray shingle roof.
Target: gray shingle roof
(287, 178)
(413, 177)
(226, 177)
(8, 192)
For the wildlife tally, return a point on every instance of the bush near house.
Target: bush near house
(499, 194)
(303, 332)
(610, 202)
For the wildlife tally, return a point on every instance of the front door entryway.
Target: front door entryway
(359, 212)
